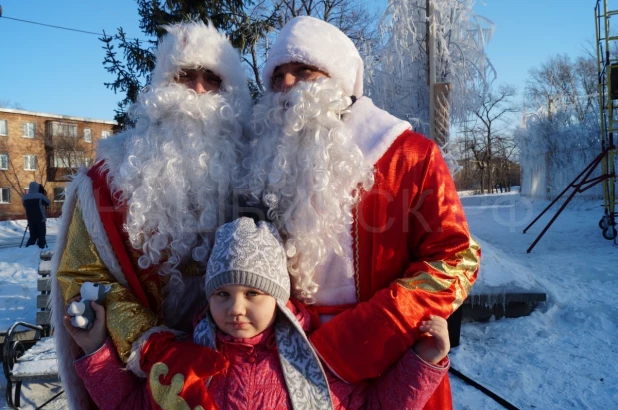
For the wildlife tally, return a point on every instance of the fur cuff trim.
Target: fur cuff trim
(94, 226)
(66, 349)
(112, 151)
(133, 363)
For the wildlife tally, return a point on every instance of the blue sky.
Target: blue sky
(56, 71)
(528, 32)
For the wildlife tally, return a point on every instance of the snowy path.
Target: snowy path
(18, 272)
(51, 240)
(563, 356)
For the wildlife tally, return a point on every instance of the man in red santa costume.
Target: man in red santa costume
(144, 216)
(374, 230)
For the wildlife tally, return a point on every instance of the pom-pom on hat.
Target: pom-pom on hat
(196, 45)
(250, 254)
(315, 42)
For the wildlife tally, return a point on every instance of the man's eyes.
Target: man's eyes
(306, 71)
(213, 78)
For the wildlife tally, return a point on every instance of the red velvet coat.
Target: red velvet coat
(413, 257)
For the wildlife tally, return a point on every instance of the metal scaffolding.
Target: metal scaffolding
(607, 62)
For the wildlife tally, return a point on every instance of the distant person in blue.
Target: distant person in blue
(35, 203)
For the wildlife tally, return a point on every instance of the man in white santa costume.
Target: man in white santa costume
(374, 230)
(144, 216)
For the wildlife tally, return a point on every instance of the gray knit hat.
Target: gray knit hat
(252, 255)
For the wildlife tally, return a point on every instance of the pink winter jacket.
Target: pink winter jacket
(254, 379)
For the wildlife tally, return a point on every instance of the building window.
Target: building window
(87, 135)
(4, 162)
(59, 194)
(3, 128)
(28, 129)
(63, 129)
(105, 134)
(5, 195)
(68, 159)
(30, 162)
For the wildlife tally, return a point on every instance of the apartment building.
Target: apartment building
(46, 148)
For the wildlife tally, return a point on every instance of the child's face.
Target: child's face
(241, 311)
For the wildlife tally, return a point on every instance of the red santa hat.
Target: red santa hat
(320, 44)
(196, 45)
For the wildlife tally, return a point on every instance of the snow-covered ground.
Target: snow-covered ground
(18, 272)
(18, 276)
(563, 356)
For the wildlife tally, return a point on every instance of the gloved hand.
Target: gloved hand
(178, 371)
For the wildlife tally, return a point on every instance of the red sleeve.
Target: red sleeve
(407, 385)
(110, 385)
(438, 263)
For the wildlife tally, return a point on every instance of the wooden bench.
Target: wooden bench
(43, 286)
(35, 358)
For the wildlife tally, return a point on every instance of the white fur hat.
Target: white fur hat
(315, 42)
(194, 45)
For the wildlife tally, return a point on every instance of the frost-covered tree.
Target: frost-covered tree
(562, 135)
(398, 76)
(554, 150)
(563, 82)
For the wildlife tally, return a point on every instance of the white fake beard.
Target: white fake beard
(175, 175)
(306, 168)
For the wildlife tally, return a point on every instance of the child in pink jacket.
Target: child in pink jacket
(269, 362)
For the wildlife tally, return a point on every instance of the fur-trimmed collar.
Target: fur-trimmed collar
(111, 150)
(374, 129)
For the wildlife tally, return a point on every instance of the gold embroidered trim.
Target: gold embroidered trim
(461, 275)
(80, 261)
(126, 317)
(424, 281)
(168, 396)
